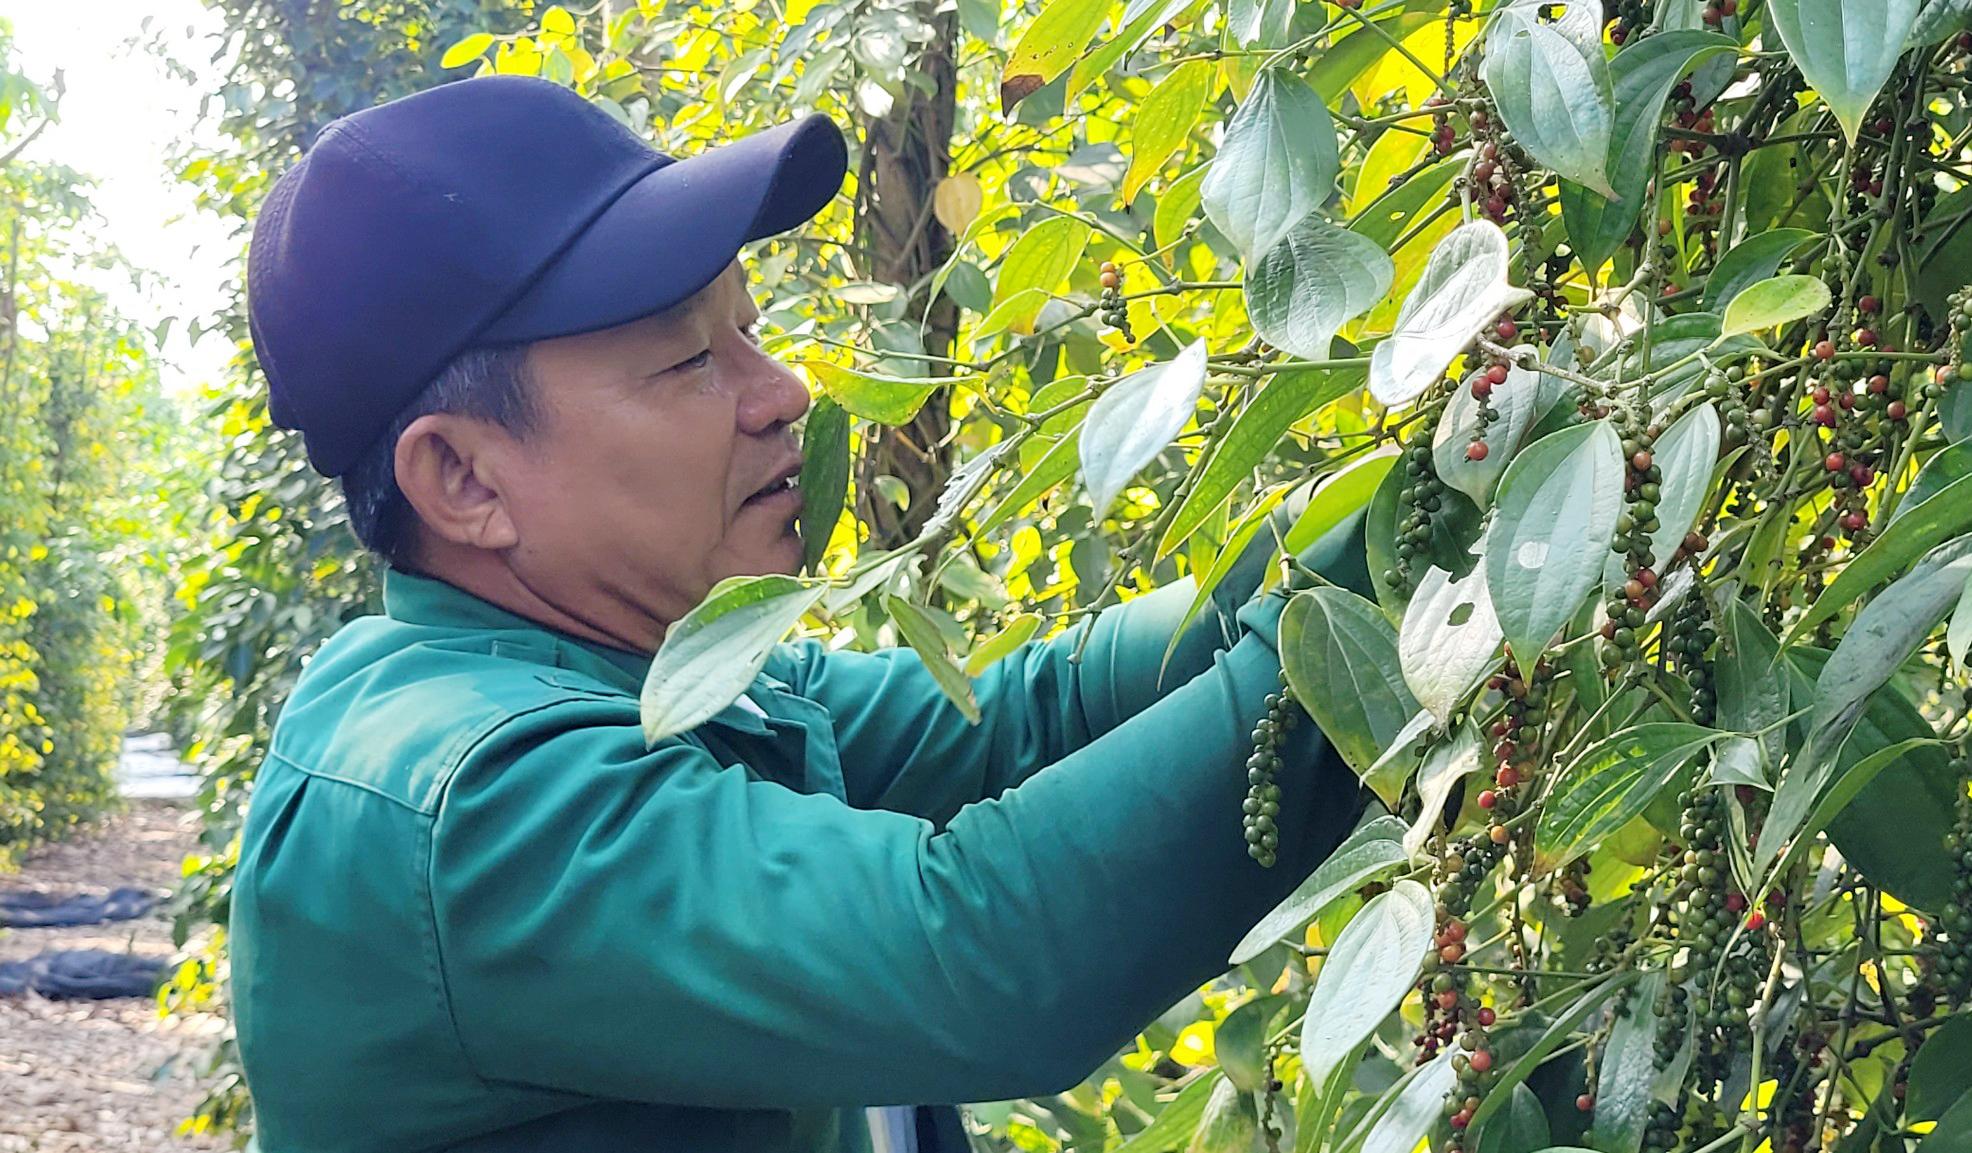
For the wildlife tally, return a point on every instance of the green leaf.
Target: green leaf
(1259, 22)
(1522, 1128)
(1752, 687)
(1958, 634)
(1386, 218)
(1775, 302)
(1048, 46)
(1752, 260)
(915, 624)
(1178, 1120)
(1053, 468)
(1338, 498)
(1370, 852)
(1845, 49)
(1369, 969)
(824, 477)
(1557, 511)
(1340, 655)
(1463, 288)
(1237, 540)
(1033, 268)
(1448, 640)
(1164, 119)
(1628, 1072)
(1613, 781)
(1176, 206)
(1884, 634)
(1288, 398)
(1949, 464)
(1230, 1123)
(467, 50)
(1848, 784)
(1135, 419)
(1550, 1039)
(1641, 78)
(1315, 280)
(1946, 515)
(883, 399)
(709, 657)
(1000, 645)
(1140, 19)
(1941, 1073)
(1554, 93)
(1685, 456)
(1515, 408)
(1278, 163)
(1239, 1043)
(1937, 20)
(1408, 1113)
(1355, 52)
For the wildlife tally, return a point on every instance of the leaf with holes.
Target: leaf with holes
(1448, 640)
(1555, 516)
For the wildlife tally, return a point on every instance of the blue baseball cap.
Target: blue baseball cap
(495, 210)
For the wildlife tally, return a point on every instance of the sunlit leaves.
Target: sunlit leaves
(1775, 302)
(1464, 287)
(1844, 48)
(1034, 267)
(709, 657)
(1316, 279)
(1556, 513)
(1278, 163)
(1340, 655)
(1049, 45)
(1370, 968)
(1552, 87)
(1750, 261)
(872, 396)
(1164, 120)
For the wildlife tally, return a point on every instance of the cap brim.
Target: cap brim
(673, 232)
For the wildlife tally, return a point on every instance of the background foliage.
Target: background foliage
(1631, 331)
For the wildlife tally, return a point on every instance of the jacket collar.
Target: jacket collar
(428, 601)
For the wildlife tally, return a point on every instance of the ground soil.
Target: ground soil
(103, 1075)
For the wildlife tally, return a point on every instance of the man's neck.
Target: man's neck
(614, 623)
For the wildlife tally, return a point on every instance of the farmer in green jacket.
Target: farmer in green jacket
(473, 911)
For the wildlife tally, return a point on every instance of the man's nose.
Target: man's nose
(773, 396)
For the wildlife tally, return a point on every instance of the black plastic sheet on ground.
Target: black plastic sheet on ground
(54, 910)
(82, 974)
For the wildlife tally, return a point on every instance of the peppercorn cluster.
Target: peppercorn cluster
(1112, 309)
(1261, 808)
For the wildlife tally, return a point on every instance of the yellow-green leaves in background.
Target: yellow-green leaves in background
(1050, 44)
(1164, 120)
(1036, 264)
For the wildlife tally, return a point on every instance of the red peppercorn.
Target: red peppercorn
(1819, 395)
(1896, 410)
(1461, 1119)
(1488, 798)
(1448, 999)
(1847, 400)
(1507, 330)
(1647, 577)
(1496, 373)
(1854, 521)
(1506, 777)
(1835, 462)
(1498, 834)
(1486, 1018)
(1482, 1060)
(1735, 902)
(1866, 337)
(1824, 415)
(1481, 388)
(1586, 1102)
(1451, 953)
(1825, 350)
(1869, 306)
(1862, 474)
(1756, 920)
(1879, 384)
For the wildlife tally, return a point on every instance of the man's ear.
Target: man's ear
(448, 468)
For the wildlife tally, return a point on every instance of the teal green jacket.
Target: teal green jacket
(474, 912)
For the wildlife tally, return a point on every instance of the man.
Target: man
(473, 911)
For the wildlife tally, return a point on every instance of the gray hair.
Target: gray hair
(491, 384)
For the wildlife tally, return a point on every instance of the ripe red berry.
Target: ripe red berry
(1820, 395)
(1756, 920)
(1869, 306)
(1866, 337)
(1476, 450)
(1507, 777)
(1488, 798)
(1862, 474)
(1735, 902)
(1641, 461)
(1585, 1102)
(1854, 521)
(1496, 373)
(1451, 953)
(1486, 1018)
(1879, 384)
(1481, 388)
(1896, 410)
(1448, 999)
(1109, 278)
(1825, 350)
(1482, 1060)
(1507, 330)
(1835, 462)
(1498, 835)
(1454, 930)
(1824, 415)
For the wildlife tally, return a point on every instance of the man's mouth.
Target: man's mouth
(783, 488)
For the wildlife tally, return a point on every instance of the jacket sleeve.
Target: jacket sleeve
(905, 748)
(651, 926)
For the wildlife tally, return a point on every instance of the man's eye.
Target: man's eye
(699, 361)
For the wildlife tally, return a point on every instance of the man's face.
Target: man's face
(663, 463)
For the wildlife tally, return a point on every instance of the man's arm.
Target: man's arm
(906, 749)
(654, 927)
